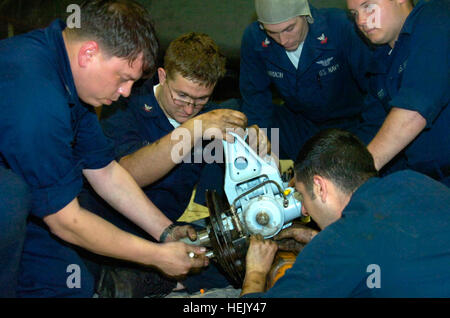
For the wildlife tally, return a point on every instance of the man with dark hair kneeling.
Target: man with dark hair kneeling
(380, 237)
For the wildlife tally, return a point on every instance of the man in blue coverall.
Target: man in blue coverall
(380, 237)
(153, 125)
(50, 137)
(316, 61)
(410, 76)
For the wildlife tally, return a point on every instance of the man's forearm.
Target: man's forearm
(114, 184)
(400, 127)
(152, 162)
(80, 227)
(85, 229)
(259, 259)
(254, 282)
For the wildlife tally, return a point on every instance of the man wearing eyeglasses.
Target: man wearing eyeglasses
(146, 132)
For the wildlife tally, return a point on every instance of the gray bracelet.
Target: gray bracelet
(166, 233)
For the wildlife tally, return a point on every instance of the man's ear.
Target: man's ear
(162, 76)
(320, 188)
(87, 52)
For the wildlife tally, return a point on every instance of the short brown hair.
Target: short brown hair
(195, 56)
(123, 28)
(337, 155)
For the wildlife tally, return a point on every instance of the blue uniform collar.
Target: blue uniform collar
(149, 108)
(315, 43)
(158, 116)
(411, 19)
(380, 64)
(361, 192)
(55, 39)
(318, 32)
(148, 105)
(317, 35)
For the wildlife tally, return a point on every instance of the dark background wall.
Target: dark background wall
(223, 20)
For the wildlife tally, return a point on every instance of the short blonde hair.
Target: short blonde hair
(195, 56)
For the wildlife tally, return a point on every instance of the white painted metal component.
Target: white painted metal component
(256, 192)
(264, 215)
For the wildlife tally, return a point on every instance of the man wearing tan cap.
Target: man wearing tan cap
(316, 62)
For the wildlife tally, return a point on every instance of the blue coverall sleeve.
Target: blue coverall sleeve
(425, 86)
(91, 146)
(38, 144)
(254, 84)
(122, 129)
(358, 53)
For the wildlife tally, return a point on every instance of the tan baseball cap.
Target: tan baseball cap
(277, 11)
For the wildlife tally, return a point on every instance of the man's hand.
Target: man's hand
(260, 254)
(154, 161)
(258, 141)
(294, 238)
(259, 260)
(224, 120)
(178, 259)
(292, 183)
(180, 232)
(85, 229)
(399, 129)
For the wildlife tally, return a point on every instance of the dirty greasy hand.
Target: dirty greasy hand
(174, 260)
(259, 260)
(292, 183)
(258, 141)
(294, 238)
(260, 255)
(180, 232)
(224, 120)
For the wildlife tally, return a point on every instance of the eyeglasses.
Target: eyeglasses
(181, 100)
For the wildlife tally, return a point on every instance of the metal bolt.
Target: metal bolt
(262, 218)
